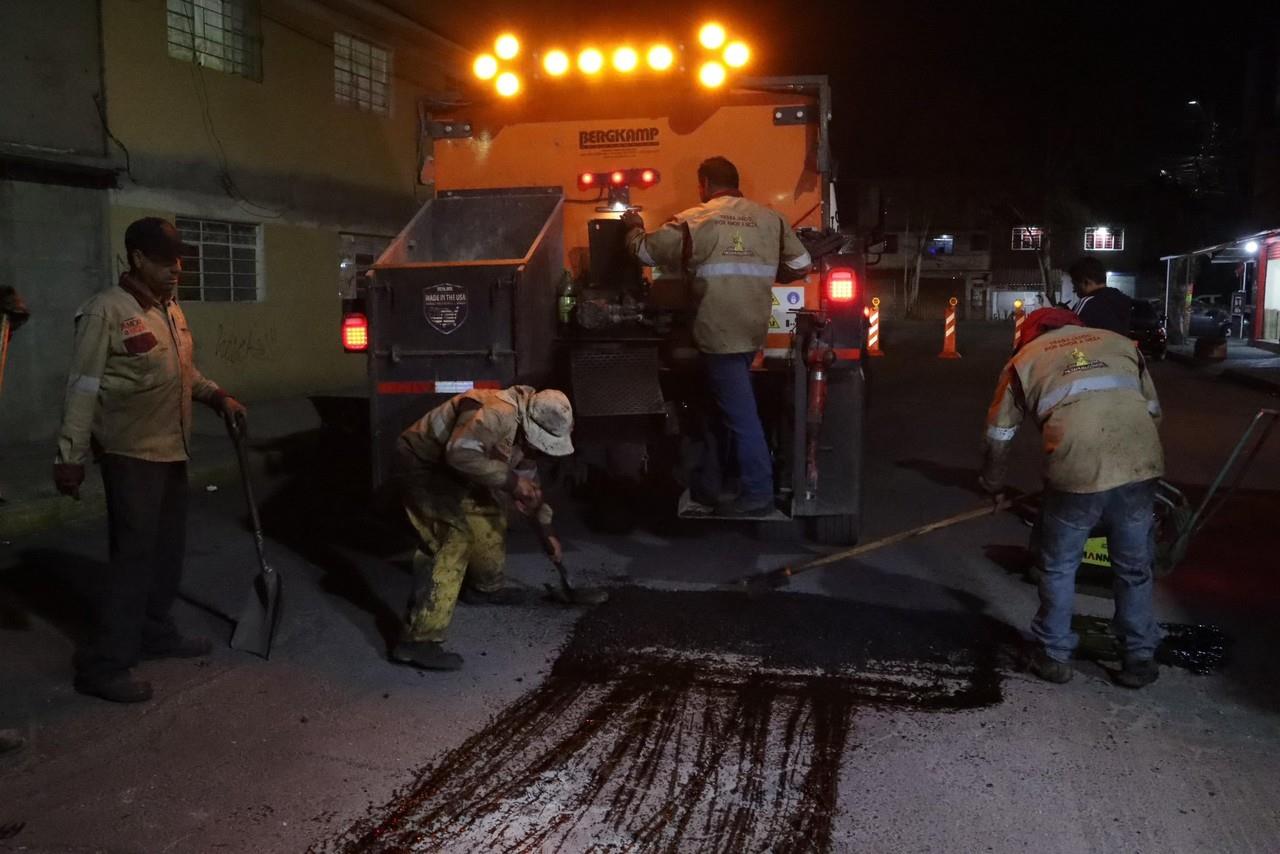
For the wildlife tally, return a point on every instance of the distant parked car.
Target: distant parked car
(1146, 326)
(1209, 319)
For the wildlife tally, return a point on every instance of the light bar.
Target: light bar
(643, 177)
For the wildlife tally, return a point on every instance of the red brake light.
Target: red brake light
(355, 333)
(648, 176)
(842, 286)
(618, 178)
(586, 181)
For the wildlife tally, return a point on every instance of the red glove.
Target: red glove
(67, 477)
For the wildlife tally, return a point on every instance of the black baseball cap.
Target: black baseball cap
(156, 238)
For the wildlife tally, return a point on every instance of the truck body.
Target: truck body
(528, 199)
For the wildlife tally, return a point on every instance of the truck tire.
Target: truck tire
(834, 530)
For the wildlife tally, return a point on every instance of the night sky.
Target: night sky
(991, 94)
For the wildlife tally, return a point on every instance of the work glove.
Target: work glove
(67, 477)
(631, 220)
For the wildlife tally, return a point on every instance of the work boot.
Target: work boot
(121, 688)
(1136, 673)
(179, 647)
(1050, 669)
(745, 507)
(427, 655)
(500, 596)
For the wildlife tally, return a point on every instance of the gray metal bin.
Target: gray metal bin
(464, 297)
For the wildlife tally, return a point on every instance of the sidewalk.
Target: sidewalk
(1254, 367)
(26, 471)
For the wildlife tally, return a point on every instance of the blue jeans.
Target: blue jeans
(1126, 513)
(734, 436)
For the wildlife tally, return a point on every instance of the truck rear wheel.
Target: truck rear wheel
(839, 530)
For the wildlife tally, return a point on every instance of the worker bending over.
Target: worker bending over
(1091, 395)
(461, 466)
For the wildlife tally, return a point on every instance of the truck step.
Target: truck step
(690, 509)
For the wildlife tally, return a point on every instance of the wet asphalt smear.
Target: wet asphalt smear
(689, 721)
(1198, 648)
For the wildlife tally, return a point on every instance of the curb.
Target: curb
(1239, 376)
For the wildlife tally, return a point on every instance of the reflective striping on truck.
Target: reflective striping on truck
(435, 386)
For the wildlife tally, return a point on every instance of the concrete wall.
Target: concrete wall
(51, 231)
(50, 57)
(54, 254)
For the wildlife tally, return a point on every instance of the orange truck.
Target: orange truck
(515, 272)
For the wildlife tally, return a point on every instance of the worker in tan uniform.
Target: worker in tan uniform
(133, 378)
(461, 466)
(1092, 397)
(732, 250)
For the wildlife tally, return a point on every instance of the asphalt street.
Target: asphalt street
(875, 705)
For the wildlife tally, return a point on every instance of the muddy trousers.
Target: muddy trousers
(472, 550)
(146, 522)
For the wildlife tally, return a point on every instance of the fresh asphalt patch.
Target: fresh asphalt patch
(690, 721)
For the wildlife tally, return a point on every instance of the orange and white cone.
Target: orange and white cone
(949, 332)
(873, 329)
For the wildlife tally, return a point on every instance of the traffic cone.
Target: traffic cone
(1019, 315)
(949, 332)
(873, 329)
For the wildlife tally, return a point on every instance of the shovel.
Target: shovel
(261, 613)
(775, 578)
(568, 594)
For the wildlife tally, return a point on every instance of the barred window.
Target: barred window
(1103, 239)
(226, 265)
(1026, 238)
(356, 256)
(361, 74)
(225, 35)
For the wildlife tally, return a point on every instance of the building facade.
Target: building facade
(281, 136)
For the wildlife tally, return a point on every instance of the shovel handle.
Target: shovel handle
(238, 430)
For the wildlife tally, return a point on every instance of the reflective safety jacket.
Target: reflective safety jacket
(133, 377)
(473, 434)
(1091, 395)
(730, 249)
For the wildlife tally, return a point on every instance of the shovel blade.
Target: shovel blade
(258, 619)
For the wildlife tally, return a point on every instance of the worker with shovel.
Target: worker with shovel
(461, 466)
(1095, 403)
(133, 377)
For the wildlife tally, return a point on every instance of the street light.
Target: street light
(1251, 247)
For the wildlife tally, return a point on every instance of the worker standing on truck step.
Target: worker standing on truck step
(1091, 394)
(731, 250)
(460, 467)
(133, 377)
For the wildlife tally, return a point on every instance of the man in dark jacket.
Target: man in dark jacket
(1097, 305)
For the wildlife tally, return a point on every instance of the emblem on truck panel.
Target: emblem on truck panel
(444, 306)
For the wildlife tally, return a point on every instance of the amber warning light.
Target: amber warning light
(642, 178)
(842, 286)
(355, 333)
